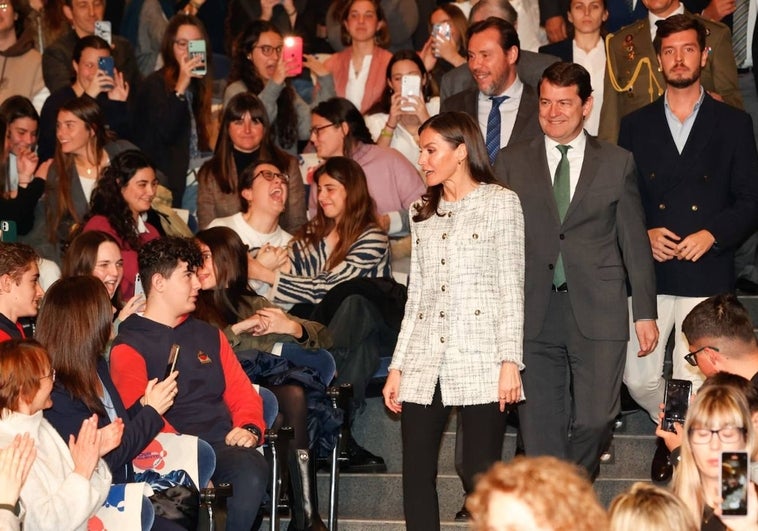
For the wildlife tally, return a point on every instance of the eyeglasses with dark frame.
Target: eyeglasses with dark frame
(317, 130)
(691, 358)
(51, 375)
(271, 175)
(267, 50)
(726, 434)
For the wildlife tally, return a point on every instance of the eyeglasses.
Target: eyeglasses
(271, 175)
(267, 50)
(691, 358)
(727, 435)
(317, 130)
(181, 43)
(51, 375)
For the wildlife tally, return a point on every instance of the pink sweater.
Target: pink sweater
(339, 66)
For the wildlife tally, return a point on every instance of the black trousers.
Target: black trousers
(422, 428)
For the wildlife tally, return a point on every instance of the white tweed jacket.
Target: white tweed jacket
(465, 309)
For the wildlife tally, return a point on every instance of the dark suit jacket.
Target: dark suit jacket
(141, 424)
(712, 185)
(529, 67)
(527, 119)
(602, 238)
(564, 50)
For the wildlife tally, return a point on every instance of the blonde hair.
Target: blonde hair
(714, 405)
(651, 508)
(558, 494)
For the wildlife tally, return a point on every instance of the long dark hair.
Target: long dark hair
(455, 128)
(284, 128)
(427, 89)
(74, 324)
(219, 306)
(360, 210)
(221, 166)
(107, 197)
(81, 257)
(339, 111)
(88, 111)
(201, 87)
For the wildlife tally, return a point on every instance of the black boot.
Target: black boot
(304, 498)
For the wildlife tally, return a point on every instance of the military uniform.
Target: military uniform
(633, 66)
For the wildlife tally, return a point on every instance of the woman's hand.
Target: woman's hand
(419, 108)
(110, 436)
(276, 321)
(267, 8)
(317, 67)
(748, 522)
(671, 440)
(391, 391)
(251, 325)
(160, 395)
(280, 73)
(134, 305)
(120, 90)
(509, 384)
(446, 49)
(427, 55)
(101, 82)
(26, 163)
(272, 257)
(85, 448)
(15, 462)
(186, 65)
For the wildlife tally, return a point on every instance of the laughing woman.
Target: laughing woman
(466, 291)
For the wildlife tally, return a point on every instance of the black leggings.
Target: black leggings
(294, 411)
(422, 428)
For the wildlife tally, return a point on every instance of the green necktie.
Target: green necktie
(562, 193)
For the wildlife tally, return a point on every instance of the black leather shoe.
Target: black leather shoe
(360, 460)
(463, 515)
(661, 468)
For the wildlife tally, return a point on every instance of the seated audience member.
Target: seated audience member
(587, 48)
(153, 20)
(251, 322)
(263, 194)
(110, 93)
(442, 51)
(98, 254)
(66, 484)
(174, 119)
(343, 243)
(215, 400)
(84, 148)
(20, 291)
(22, 179)
(282, 15)
(45, 20)
(118, 207)
(258, 67)
(401, 19)
(15, 463)
(244, 139)
(22, 63)
(57, 66)
(358, 70)
(395, 120)
(650, 508)
(393, 183)
(535, 493)
(74, 324)
(718, 420)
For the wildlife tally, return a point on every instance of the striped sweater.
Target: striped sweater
(309, 280)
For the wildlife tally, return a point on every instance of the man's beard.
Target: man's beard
(683, 82)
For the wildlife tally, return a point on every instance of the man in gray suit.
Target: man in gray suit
(530, 65)
(585, 233)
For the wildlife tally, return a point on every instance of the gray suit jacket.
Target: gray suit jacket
(603, 238)
(527, 119)
(530, 67)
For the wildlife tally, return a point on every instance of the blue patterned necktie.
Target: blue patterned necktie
(493, 127)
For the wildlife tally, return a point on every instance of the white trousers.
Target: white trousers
(644, 376)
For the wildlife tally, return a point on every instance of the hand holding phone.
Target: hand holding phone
(676, 403)
(173, 356)
(292, 55)
(735, 481)
(409, 86)
(196, 48)
(103, 30)
(107, 65)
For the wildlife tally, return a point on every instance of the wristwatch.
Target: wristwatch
(252, 428)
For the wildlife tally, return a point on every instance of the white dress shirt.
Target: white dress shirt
(594, 62)
(575, 157)
(508, 111)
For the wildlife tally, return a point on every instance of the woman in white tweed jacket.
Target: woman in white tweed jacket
(461, 339)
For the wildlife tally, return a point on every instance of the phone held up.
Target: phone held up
(292, 55)
(103, 30)
(735, 480)
(410, 85)
(196, 48)
(677, 401)
(173, 356)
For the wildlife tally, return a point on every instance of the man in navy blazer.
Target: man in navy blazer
(697, 171)
(578, 259)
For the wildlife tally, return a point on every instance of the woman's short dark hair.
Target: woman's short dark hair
(90, 41)
(339, 111)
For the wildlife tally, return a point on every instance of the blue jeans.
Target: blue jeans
(247, 471)
(319, 360)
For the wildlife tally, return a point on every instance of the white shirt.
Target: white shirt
(356, 82)
(508, 111)
(653, 19)
(575, 157)
(594, 62)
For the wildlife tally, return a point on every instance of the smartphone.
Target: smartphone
(677, 401)
(734, 483)
(106, 65)
(410, 85)
(441, 29)
(138, 289)
(8, 231)
(197, 48)
(292, 53)
(103, 30)
(173, 355)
